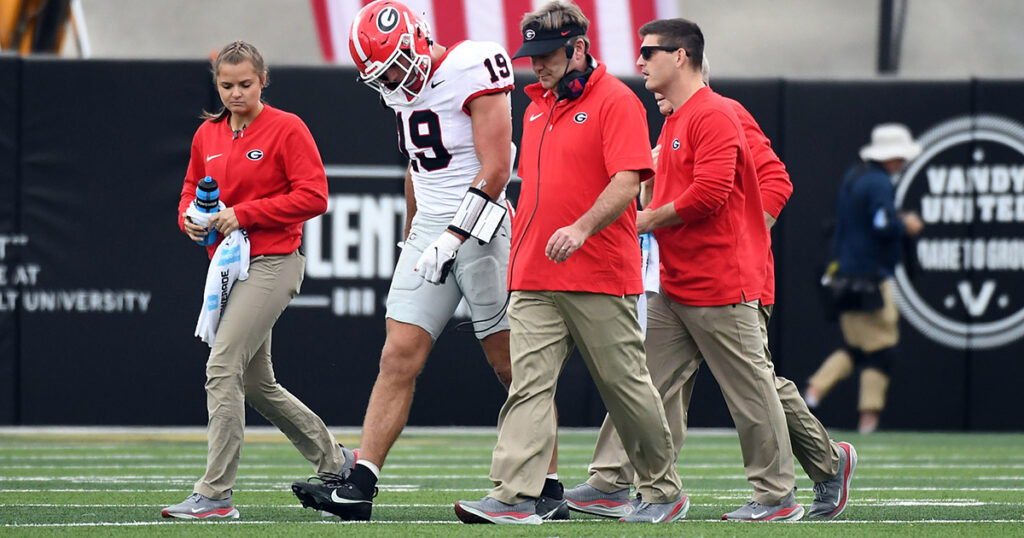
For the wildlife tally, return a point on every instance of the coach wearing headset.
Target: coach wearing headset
(574, 273)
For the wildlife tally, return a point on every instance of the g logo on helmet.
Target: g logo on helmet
(387, 20)
(255, 155)
(529, 34)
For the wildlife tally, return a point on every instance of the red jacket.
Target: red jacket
(271, 174)
(706, 171)
(587, 141)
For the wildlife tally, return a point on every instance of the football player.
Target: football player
(453, 113)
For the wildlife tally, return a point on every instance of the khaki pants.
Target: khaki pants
(729, 338)
(239, 371)
(869, 332)
(545, 328)
(875, 330)
(611, 471)
(816, 452)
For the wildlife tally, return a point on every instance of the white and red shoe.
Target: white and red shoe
(831, 496)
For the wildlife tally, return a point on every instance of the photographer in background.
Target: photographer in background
(866, 247)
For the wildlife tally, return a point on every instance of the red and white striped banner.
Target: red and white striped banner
(613, 25)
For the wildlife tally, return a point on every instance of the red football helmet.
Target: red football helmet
(385, 35)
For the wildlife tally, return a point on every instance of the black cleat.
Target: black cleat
(336, 496)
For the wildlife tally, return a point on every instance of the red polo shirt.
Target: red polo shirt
(706, 170)
(773, 183)
(585, 142)
(271, 174)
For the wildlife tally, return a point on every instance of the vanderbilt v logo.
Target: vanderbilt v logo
(976, 304)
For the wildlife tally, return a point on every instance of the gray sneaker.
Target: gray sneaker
(198, 506)
(831, 495)
(350, 461)
(659, 512)
(491, 510)
(590, 500)
(789, 510)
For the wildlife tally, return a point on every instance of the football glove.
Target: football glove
(437, 259)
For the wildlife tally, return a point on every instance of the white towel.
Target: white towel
(199, 216)
(230, 262)
(652, 265)
(651, 271)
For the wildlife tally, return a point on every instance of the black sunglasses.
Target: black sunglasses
(647, 50)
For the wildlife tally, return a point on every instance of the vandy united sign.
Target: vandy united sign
(963, 286)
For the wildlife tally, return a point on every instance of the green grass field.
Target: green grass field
(101, 483)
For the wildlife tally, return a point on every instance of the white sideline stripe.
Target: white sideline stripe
(854, 502)
(246, 506)
(396, 489)
(337, 430)
(931, 503)
(219, 522)
(292, 476)
(417, 487)
(683, 466)
(593, 521)
(395, 456)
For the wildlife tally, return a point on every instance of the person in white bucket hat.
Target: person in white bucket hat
(891, 142)
(865, 249)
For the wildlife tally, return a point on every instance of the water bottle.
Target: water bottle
(208, 201)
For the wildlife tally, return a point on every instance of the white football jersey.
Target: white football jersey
(436, 131)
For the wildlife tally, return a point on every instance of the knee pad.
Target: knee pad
(880, 360)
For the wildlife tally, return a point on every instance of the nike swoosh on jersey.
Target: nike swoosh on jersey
(436, 83)
(212, 157)
(535, 116)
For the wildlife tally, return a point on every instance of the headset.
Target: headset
(572, 83)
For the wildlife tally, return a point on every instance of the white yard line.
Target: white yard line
(592, 521)
(417, 487)
(482, 465)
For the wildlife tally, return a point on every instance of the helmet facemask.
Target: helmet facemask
(413, 68)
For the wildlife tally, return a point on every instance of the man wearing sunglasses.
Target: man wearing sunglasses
(830, 465)
(708, 218)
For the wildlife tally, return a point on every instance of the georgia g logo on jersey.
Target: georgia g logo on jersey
(387, 20)
(254, 155)
(675, 144)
